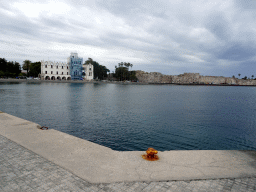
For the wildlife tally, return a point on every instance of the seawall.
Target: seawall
(99, 164)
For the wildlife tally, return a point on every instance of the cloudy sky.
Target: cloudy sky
(212, 37)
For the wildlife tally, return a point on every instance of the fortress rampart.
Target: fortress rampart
(190, 78)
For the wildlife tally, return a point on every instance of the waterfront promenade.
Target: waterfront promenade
(47, 160)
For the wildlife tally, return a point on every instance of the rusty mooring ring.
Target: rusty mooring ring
(44, 128)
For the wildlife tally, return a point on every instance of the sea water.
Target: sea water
(132, 117)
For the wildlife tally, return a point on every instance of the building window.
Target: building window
(57, 72)
(51, 72)
(67, 73)
(90, 69)
(51, 66)
(62, 67)
(45, 72)
(90, 73)
(45, 66)
(62, 73)
(57, 67)
(67, 67)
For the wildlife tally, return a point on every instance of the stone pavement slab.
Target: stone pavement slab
(24, 170)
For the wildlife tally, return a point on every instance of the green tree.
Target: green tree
(239, 74)
(133, 76)
(99, 71)
(26, 65)
(122, 71)
(35, 69)
(17, 68)
(13, 69)
(22, 74)
(3, 64)
(128, 65)
(9, 68)
(252, 76)
(245, 77)
(2, 74)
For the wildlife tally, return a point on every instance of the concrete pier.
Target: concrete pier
(102, 166)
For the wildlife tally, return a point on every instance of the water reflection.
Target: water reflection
(134, 117)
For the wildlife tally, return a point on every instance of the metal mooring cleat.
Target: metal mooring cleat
(151, 155)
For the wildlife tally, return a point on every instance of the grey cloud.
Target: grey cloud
(245, 4)
(20, 26)
(159, 32)
(238, 52)
(218, 25)
(59, 23)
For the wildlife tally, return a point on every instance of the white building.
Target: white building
(88, 71)
(55, 70)
(73, 69)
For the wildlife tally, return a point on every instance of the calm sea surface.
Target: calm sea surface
(135, 117)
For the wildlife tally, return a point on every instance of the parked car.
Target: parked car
(21, 77)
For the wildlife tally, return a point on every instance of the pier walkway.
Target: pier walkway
(27, 165)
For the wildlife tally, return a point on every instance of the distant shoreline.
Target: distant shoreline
(112, 82)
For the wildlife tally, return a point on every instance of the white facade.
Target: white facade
(55, 70)
(88, 72)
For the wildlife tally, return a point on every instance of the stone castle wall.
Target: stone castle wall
(153, 77)
(189, 78)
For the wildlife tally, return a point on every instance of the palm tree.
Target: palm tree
(121, 64)
(252, 76)
(239, 74)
